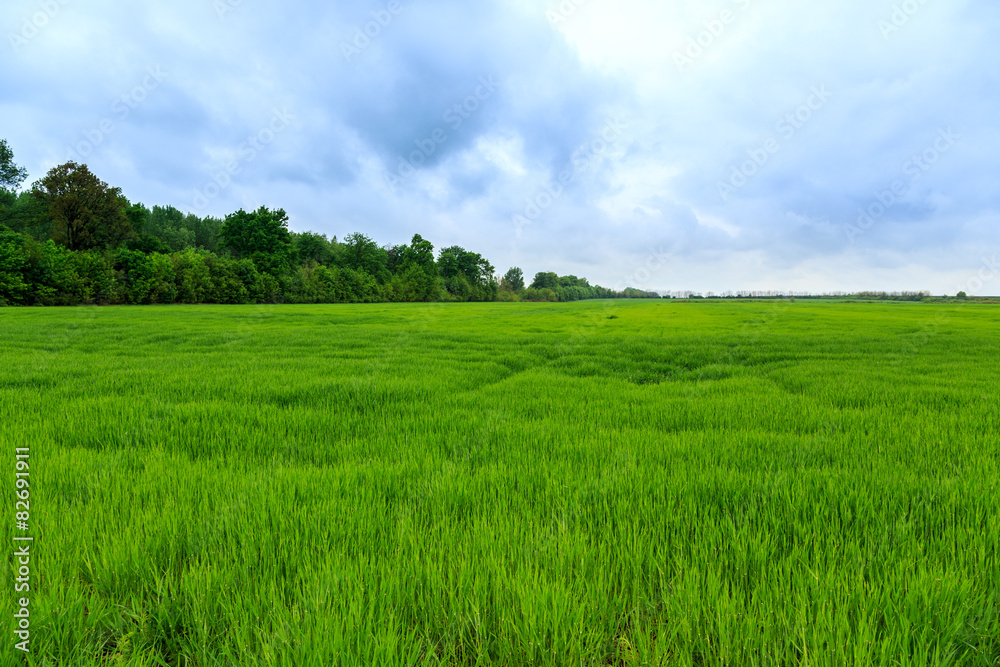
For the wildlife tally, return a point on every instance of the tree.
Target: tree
(363, 254)
(25, 214)
(456, 260)
(573, 281)
(168, 224)
(138, 218)
(14, 258)
(395, 258)
(545, 281)
(467, 275)
(11, 175)
(7, 200)
(420, 252)
(85, 211)
(206, 231)
(420, 273)
(514, 278)
(262, 236)
(144, 240)
(312, 247)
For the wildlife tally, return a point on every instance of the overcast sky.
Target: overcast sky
(711, 145)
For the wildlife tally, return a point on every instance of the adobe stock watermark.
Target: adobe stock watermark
(246, 152)
(900, 16)
(564, 11)
(582, 158)
(913, 169)
(363, 35)
(223, 7)
(22, 556)
(787, 126)
(987, 273)
(455, 116)
(715, 28)
(31, 27)
(121, 109)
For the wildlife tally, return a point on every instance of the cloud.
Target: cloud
(450, 119)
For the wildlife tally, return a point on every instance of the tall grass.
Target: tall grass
(488, 484)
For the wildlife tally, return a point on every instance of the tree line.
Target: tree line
(72, 239)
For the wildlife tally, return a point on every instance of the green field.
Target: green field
(597, 483)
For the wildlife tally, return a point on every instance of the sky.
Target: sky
(667, 145)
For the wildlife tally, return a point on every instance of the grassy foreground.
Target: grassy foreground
(598, 483)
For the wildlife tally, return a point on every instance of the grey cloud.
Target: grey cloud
(657, 187)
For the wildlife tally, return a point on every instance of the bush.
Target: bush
(13, 261)
(194, 280)
(133, 277)
(163, 279)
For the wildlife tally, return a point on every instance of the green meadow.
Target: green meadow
(594, 483)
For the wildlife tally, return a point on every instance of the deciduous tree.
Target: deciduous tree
(262, 236)
(11, 175)
(86, 212)
(513, 279)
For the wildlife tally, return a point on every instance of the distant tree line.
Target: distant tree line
(551, 287)
(770, 294)
(72, 239)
